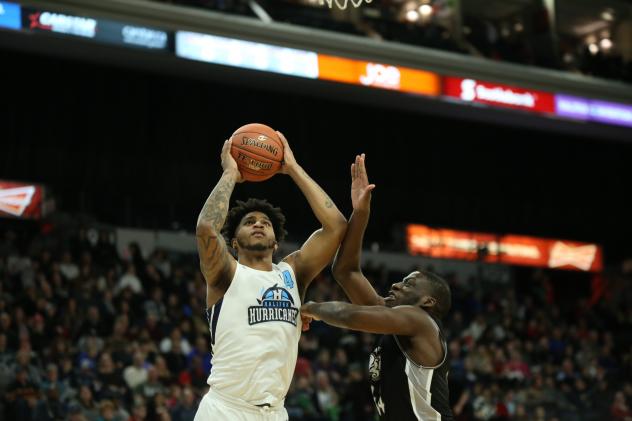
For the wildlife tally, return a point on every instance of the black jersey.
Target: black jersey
(405, 391)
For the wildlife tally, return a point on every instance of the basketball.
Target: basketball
(257, 150)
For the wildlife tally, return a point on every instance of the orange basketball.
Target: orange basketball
(257, 150)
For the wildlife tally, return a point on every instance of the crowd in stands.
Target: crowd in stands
(87, 334)
(494, 40)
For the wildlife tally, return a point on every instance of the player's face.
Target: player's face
(407, 292)
(255, 232)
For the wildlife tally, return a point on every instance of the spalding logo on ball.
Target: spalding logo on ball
(257, 150)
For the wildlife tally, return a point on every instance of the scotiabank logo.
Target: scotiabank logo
(581, 257)
(471, 90)
(64, 24)
(380, 75)
(14, 200)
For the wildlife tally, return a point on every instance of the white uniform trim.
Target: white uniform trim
(411, 391)
(419, 383)
(217, 407)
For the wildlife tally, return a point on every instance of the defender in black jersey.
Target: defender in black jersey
(408, 368)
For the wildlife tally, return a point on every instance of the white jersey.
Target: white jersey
(255, 330)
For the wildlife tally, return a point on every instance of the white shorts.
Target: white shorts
(216, 407)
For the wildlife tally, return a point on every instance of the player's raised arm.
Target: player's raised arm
(216, 263)
(346, 267)
(320, 247)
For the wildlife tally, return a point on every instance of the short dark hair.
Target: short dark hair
(241, 209)
(440, 291)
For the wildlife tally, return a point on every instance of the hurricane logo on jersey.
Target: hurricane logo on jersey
(275, 305)
(375, 364)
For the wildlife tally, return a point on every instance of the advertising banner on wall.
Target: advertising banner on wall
(378, 75)
(21, 200)
(10, 15)
(497, 95)
(100, 30)
(507, 249)
(246, 54)
(593, 110)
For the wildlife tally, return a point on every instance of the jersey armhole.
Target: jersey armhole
(444, 346)
(282, 264)
(230, 284)
(286, 266)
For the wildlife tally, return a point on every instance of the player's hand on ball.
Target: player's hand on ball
(360, 187)
(289, 162)
(229, 163)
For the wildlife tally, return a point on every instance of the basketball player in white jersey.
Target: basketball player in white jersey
(253, 304)
(408, 369)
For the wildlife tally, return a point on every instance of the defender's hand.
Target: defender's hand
(360, 187)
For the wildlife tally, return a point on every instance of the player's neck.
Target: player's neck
(258, 261)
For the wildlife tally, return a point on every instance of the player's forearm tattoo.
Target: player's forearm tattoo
(216, 207)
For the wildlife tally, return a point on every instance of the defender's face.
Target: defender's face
(407, 292)
(255, 232)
